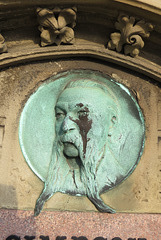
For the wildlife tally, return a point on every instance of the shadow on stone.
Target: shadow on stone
(15, 224)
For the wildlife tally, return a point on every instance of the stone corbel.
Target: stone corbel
(56, 25)
(3, 47)
(130, 38)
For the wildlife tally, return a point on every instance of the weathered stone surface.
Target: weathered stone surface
(20, 187)
(86, 225)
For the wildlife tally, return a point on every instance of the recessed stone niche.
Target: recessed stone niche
(119, 39)
(139, 193)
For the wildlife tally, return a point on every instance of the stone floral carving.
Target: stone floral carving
(3, 47)
(56, 25)
(129, 40)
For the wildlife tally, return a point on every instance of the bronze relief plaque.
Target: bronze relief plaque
(81, 133)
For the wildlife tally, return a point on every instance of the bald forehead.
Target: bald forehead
(84, 95)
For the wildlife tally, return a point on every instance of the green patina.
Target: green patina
(81, 133)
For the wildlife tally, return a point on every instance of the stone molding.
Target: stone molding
(148, 5)
(130, 38)
(141, 65)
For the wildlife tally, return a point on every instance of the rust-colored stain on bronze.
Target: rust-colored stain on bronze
(84, 125)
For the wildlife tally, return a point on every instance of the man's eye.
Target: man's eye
(59, 115)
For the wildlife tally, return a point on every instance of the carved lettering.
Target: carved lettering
(46, 238)
(29, 237)
(116, 238)
(100, 238)
(61, 237)
(13, 237)
(79, 238)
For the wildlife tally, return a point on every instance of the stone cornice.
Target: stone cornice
(19, 26)
(146, 9)
(140, 65)
(152, 6)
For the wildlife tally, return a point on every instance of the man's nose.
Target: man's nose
(68, 124)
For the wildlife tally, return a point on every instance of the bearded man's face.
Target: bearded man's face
(82, 116)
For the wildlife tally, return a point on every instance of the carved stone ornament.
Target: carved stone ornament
(56, 25)
(81, 133)
(3, 47)
(129, 40)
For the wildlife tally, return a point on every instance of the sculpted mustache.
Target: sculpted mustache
(70, 139)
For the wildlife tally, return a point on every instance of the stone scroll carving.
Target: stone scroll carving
(130, 38)
(3, 47)
(56, 25)
(81, 133)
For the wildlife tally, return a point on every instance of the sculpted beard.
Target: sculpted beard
(88, 165)
(88, 172)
